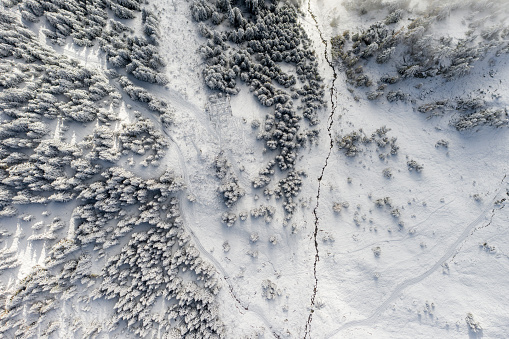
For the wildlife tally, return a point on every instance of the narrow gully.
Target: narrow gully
(330, 121)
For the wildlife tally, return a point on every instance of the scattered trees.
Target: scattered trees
(414, 50)
(229, 188)
(249, 47)
(352, 142)
(267, 212)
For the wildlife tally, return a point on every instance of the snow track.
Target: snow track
(196, 242)
(452, 249)
(226, 278)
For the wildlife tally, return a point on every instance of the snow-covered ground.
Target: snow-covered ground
(413, 265)
(434, 270)
(430, 273)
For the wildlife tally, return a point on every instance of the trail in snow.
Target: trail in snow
(252, 308)
(224, 275)
(407, 283)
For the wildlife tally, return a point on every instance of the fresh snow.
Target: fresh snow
(374, 278)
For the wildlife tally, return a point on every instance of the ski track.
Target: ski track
(225, 276)
(402, 286)
(215, 262)
(252, 308)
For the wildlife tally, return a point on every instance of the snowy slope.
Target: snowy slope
(410, 254)
(423, 282)
(357, 290)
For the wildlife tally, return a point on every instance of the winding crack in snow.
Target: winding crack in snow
(330, 121)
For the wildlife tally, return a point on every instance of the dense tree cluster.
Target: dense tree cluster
(353, 142)
(88, 21)
(51, 76)
(491, 117)
(270, 36)
(253, 39)
(228, 218)
(281, 132)
(29, 295)
(102, 145)
(34, 169)
(288, 188)
(141, 137)
(267, 212)
(140, 94)
(413, 50)
(264, 175)
(9, 259)
(129, 226)
(414, 165)
(41, 178)
(155, 261)
(350, 142)
(393, 96)
(229, 189)
(150, 23)
(385, 201)
(473, 111)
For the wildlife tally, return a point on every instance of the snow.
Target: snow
(410, 267)
(450, 258)
(361, 294)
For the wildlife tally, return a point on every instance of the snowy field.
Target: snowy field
(383, 219)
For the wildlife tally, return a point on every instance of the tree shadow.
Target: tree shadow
(475, 334)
